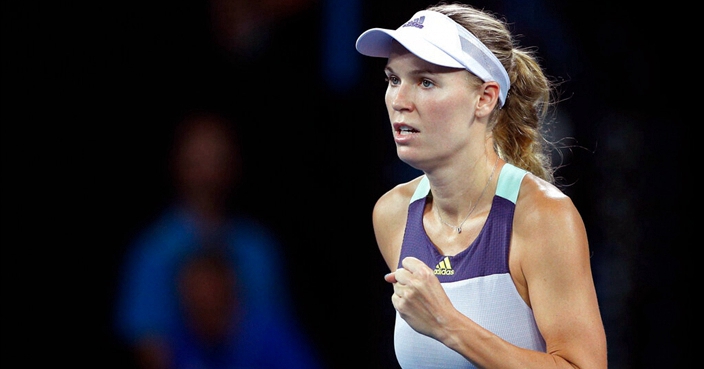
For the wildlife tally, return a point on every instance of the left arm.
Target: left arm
(550, 265)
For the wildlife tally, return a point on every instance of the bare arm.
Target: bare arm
(552, 252)
(389, 221)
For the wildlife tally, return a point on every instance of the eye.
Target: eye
(393, 80)
(427, 83)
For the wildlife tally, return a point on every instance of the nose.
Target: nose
(399, 97)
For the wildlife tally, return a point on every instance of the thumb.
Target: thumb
(390, 277)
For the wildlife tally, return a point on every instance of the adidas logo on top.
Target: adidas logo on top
(444, 267)
(417, 22)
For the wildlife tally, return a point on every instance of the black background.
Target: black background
(91, 91)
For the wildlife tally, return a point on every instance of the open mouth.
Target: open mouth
(403, 129)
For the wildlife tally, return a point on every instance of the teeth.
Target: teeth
(406, 129)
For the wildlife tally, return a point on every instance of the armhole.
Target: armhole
(510, 182)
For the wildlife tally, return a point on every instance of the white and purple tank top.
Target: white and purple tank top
(477, 280)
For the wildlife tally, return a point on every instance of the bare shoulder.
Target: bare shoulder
(389, 219)
(396, 199)
(542, 204)
(547, 228)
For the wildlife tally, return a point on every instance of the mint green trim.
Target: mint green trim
(422, 190)
(510, 182)
(507, 187)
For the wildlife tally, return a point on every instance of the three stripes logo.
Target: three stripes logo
(416, 22)
(444, 267)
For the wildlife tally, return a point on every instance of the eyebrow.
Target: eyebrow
(417, 72)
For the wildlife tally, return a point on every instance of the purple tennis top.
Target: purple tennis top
(477, 280)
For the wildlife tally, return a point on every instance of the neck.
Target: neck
(457, 196)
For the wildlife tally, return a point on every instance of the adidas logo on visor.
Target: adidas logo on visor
(416, 22)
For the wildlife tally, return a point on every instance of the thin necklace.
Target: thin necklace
(459, 228)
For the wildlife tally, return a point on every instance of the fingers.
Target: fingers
(402, 276)
(398, 287)
(399, 276)
(396, 300)
(399, 290)
(412, 264)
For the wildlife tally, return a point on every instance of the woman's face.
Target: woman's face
(431, 108)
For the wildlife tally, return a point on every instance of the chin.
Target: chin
(411, 160)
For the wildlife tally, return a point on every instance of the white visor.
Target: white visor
(437, 39)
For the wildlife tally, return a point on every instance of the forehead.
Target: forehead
(402, 59)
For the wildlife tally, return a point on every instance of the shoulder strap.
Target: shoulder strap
(422, 190)
(510, 182)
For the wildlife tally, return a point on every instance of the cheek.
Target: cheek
(449, 111)
(388, 99)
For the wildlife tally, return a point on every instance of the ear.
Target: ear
(488, 98)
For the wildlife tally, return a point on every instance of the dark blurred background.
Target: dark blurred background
(91, 91)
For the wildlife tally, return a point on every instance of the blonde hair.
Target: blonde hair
(517, 125)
